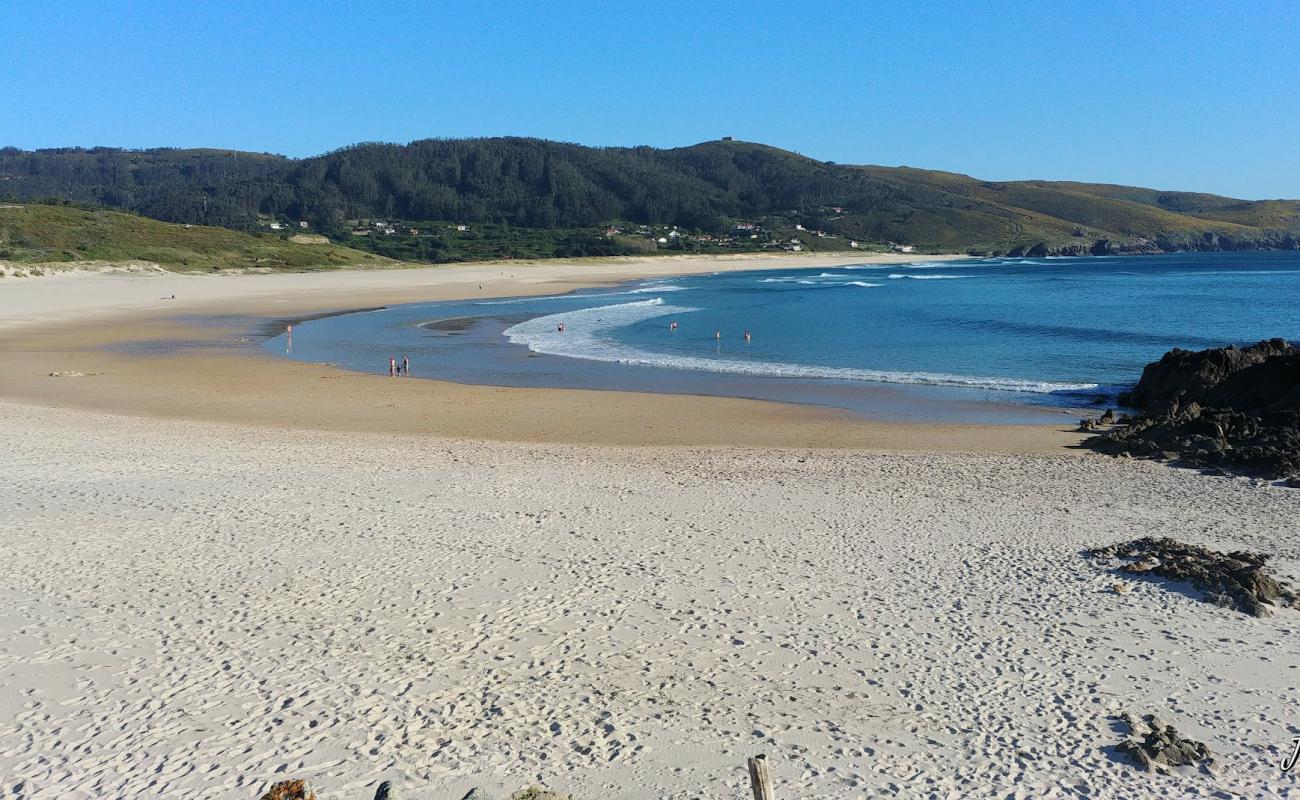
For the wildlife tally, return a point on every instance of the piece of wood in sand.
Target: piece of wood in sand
(759, 778)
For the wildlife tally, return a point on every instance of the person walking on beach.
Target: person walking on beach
(406, 366)
(392, 366)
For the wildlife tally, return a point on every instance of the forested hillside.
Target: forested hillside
(531, 184)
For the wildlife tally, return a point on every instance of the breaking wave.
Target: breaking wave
(586, 337)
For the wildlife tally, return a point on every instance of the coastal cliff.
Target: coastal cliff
(1208, 242)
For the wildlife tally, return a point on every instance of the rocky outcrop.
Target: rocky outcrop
(1157, 746)
(1183, 376)
(1235, 580)
(289, 790)
(1228, 407)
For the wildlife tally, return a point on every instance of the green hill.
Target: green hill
(46, 233)
(518, 184)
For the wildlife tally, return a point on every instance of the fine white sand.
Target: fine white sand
(193, 610)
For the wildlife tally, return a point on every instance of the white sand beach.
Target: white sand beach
(203, 597)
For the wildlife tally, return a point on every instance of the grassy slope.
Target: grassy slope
(41, 233)
(1017, 212)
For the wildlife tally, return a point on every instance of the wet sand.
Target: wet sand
(72, 323)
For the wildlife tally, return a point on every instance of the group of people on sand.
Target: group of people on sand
(395, 369)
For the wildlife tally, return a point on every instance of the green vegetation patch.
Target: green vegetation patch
(69, 234)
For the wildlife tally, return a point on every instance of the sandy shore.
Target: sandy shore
(196, 609)
(222, 569)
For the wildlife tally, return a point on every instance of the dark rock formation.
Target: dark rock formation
(1157, 746)
(1107, 418)
(1183, 376)
(289, 790)
(1225, 407)
(1235, 580)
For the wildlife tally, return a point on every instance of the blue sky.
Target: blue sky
(1185, 95)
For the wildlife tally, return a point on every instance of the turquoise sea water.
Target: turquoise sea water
(999, 339)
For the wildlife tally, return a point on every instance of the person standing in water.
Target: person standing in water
(392, 366)
(747, 337)
(718, 335)
(406, 366)
(672, 326)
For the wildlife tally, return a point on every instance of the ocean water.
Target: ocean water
(983, 339)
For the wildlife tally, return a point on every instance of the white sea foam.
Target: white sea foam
(822, 283)
(642, 290)
(896, 277)
(916, 265)
(586, 336)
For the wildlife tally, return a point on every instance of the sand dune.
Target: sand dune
(197, 609)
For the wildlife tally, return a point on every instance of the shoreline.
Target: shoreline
(226, 569)
(74, 321)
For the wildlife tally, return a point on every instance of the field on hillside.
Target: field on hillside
(68, 234)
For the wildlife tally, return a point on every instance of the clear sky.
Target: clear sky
(1177, 95)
